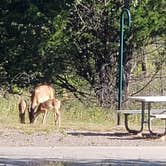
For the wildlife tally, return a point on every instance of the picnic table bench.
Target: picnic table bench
(151, 113)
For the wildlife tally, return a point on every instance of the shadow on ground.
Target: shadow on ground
(116, 135)
(53, 162)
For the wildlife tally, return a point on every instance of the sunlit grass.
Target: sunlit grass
(74, 115)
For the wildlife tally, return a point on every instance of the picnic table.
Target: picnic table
(146, 102)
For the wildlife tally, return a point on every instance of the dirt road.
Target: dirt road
(9, 137)
(77, 148)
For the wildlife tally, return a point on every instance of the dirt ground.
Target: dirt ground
(9, 137)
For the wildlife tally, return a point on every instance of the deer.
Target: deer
(22, 107)
(49, 105)
(40, 94)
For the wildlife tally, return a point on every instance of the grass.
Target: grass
(75, 116)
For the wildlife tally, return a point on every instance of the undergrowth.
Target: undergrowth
(74, 116)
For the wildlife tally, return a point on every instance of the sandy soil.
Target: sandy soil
(9, 137)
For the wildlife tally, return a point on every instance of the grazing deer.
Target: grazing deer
(49, 105)
(22, 106)
(40, 94)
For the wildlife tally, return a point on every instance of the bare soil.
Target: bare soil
(13, 137)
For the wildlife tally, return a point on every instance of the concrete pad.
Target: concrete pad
(85, 153)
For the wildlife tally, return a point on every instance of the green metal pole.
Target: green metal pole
(125, 10)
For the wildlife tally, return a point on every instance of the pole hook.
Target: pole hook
(124, 11)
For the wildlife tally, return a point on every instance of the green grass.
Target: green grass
(74, 115)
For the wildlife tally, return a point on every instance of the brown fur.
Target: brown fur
(51, 105)
(40, 94)
(22, 106)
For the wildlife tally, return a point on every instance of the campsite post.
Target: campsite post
(120, 67)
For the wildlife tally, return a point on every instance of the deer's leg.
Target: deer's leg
(22, 117)
(44, 116)
(36, 115)
(57, 118)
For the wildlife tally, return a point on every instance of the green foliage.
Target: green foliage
(26, 26)
(74, 44)
(148, 21)
(93, 35)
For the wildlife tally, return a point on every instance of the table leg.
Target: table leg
(165, 127)
(142, 121)
(142, 116)
(127, 126)
(149, 119)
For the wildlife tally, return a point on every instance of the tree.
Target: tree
(25, 28)
(74, 44)
(93, 45)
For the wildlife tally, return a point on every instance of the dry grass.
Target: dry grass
(75, 116)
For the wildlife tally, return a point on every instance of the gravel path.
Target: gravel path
(11, 137)
(80, 148)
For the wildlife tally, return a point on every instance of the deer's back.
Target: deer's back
(50, 104)
(41, 94)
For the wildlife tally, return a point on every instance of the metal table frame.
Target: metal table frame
(145, 101)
